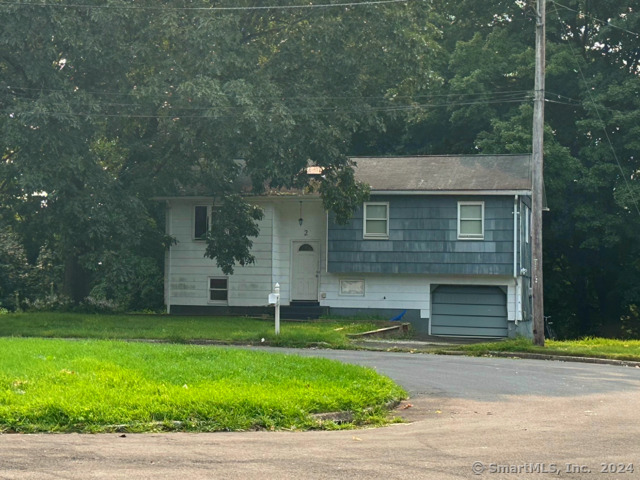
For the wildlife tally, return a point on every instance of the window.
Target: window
(200, 222)
(376, 220)
(218, 289)
(305, 248)
(471, 220)
(352, 287)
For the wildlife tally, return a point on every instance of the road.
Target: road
(505, 418)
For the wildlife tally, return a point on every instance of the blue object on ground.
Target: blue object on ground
(398, 317)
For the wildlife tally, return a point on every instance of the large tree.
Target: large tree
(108, 104)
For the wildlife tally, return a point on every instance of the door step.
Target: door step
(303, 311)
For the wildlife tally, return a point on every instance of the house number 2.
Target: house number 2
(306, 233)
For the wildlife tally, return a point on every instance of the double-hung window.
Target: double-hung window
(471, 220)
(200, 222)
(218, 289)
(376, 220)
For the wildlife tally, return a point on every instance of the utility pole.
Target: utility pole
(537, 178)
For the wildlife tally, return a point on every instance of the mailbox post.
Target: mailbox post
(274, 299)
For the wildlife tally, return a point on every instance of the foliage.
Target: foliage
(100, 386)
(233, 222)
(631, 322)
(14, 270)
(107, 107)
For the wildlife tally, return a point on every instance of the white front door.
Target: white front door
(304, 271)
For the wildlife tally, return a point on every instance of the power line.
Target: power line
(179, 113)
(280, 96)
(606, 22)
(211, 9)
(603, 125)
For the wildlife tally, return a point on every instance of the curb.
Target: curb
(559, 358)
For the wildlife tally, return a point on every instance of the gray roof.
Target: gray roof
(445, 173)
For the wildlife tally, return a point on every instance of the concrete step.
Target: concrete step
(303, 311)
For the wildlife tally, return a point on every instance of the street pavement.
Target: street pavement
(467, 417)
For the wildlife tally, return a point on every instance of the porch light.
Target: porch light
(300, 219)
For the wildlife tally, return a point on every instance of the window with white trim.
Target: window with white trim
(376, 220)
(200, 222)
(218, 289)
(471, 220)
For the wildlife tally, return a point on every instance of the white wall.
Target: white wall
(411, 292)
(287, 230)
(189, 270)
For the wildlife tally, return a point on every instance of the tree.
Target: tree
(106, 106)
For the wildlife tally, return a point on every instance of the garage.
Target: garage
(468, 311)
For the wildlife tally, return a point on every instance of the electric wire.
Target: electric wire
(211, 9)
(602, 123)
(605, 22)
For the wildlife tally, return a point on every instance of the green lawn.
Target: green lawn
(49, 385)
(586, 347)
(181, 329)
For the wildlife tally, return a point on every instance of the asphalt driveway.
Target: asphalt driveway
(494, 417)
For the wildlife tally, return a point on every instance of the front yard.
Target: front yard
(49, 385)
(328, 334)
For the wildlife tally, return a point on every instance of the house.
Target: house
(445, 238)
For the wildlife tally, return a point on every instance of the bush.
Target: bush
(127, 282)
(630, 323)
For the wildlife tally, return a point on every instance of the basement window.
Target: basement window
(218, 289)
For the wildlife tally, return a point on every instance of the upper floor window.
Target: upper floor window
(376, 220)
(200, 222)
(471, 220)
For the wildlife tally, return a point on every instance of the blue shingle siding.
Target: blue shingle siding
(423, 239)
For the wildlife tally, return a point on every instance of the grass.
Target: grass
(49, 385)
(586, 347)
(182, 329)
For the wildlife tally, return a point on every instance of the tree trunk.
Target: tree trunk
(76, 284)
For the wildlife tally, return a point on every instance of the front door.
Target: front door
(304, 275)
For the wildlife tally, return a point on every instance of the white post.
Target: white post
(277, 292)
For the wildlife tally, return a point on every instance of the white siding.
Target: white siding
(411, 292)
(287, 230)
(381, 291)
(189, 269)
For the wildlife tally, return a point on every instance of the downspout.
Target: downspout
(326, 243)
(516, 212)
(515, 236)
(168, 230)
